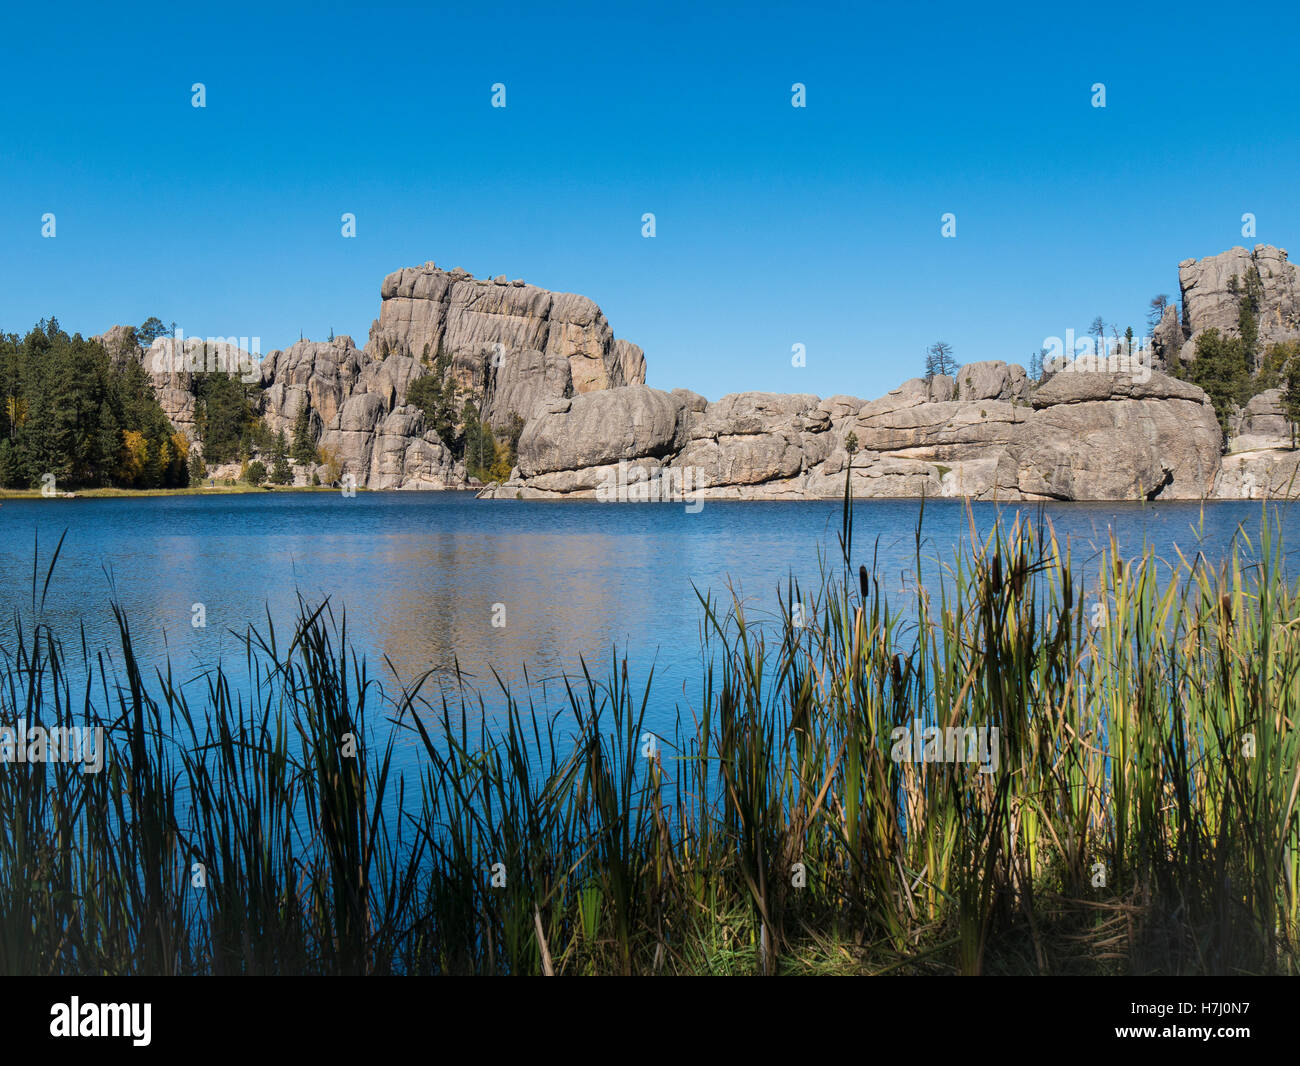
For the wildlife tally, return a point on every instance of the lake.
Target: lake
(422, 575)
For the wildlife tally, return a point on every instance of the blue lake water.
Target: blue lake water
(419, 573)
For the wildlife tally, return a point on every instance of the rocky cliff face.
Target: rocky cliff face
(1260, 461)
(1211, 298)
(484, 325)
(592, 425)
(1082, 435)
(510, 347)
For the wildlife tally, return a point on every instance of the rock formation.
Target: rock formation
(484, 325)
(1082, 432)
(510, 348)
(172, 364)
(1104, 436)
(1212, 289)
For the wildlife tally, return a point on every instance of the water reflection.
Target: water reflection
(420, 574)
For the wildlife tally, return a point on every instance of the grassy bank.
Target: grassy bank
(1142, 817)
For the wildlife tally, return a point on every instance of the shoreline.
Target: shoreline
(250, 490)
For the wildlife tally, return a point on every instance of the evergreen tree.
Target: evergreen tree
(1291, 395)
(227, 420)
(480, 448)
(435, 395)
(1221, 369)
(1273, 364)
(68, 410)
(1156, 310)
(1035, 372)
(1098, 332)
(150, 330)
(939, 360)
(280, 472)
(304, 444)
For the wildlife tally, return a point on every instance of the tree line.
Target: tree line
(72, 411)
(90, 418)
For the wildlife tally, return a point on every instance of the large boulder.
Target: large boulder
(992, 476)
(992, 380)
(749, 438)
(1080, 383)
(941, 430)
(602, 427)
(695, 403)
(840, 406)
(1261, 474)
(750, 413)
(1263, 416)
(1104, 436)
(878, 476)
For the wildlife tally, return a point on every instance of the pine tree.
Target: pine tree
(150, 330)
(435, 395)
(1036, 365)
(1221, 369)
(939, 360)
(280, 472)
(1291, 395)
(304, 445)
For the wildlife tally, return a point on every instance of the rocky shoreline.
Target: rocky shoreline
(1086, 430)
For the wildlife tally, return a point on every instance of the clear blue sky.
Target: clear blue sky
(776, 225)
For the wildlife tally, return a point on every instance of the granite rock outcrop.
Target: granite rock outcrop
(987, 433)
(1212, 290)
(548, 366)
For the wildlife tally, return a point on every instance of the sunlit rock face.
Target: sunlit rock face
(509, 348)
(988, 434)
(550, 361)
(1212, 289)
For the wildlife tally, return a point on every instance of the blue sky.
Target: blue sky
(775, 225)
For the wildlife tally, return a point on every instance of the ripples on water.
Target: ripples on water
(419, 573)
